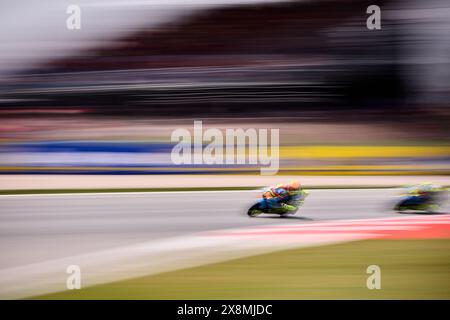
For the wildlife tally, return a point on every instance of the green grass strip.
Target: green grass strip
(410, 269)
(62, 191)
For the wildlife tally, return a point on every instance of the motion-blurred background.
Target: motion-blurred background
(105, 98)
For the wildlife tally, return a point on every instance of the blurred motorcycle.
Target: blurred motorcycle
(289, 207)
(426, 201)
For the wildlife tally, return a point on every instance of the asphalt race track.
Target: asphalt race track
(36, 228)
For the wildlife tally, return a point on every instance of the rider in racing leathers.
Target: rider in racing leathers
(288, 197)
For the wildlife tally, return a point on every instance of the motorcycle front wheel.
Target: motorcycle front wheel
(254, 210)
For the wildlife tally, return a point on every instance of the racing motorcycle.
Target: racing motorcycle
(260, 208)
(430, 203)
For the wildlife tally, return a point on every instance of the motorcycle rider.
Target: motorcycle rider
(286, 197)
